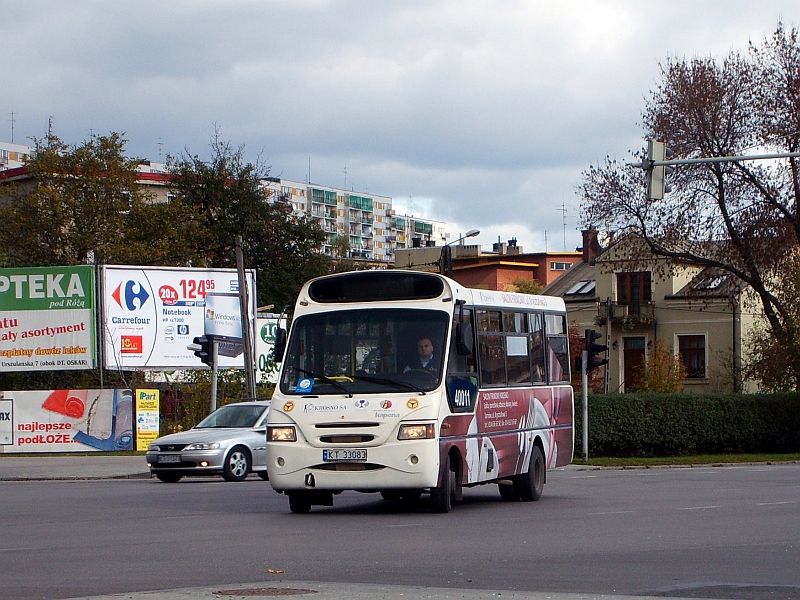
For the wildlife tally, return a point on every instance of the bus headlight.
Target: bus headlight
(416, 431)
(284, 433)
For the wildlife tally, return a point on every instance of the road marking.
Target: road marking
(776, 503)
(700, 507)
(613, 512)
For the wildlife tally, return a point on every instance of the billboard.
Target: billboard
(266, 328)
(66, 420)
(47, 318)
(147, 417)
(150, 314)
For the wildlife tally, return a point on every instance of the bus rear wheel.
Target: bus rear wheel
(529, 486)
(508, 492)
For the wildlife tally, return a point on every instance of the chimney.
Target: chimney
(591, 245)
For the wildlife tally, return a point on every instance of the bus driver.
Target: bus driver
(425, 361)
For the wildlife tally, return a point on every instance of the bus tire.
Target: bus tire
(299, 502)
(442, 495)
(508, 492)
(529, 486)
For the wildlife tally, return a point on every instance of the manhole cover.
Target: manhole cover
(265, 592)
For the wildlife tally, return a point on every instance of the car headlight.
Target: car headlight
(200, 446)
(284, 433)
(416, 431)
(152, 448)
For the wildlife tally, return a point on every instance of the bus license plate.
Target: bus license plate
(344, 455)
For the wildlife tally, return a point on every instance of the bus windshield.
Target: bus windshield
(375, 350)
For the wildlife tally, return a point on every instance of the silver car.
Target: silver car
(231, 442)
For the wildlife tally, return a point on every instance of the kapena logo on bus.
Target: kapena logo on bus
(130, 295)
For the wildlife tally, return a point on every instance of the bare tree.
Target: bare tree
(741, 217)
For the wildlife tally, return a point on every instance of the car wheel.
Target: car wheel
(237, 464)
(529, 486)
(442, 495)
(264, 475)
(169, 477)
(299, 502)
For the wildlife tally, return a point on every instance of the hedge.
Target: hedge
(650, 424)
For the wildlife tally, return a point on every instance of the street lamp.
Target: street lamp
(446, 256)
(469, 234)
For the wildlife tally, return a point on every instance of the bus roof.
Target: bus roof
(391, 285)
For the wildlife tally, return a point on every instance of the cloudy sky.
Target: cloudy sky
(482, 114)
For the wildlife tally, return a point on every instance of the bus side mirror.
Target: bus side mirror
(280, 344)
(461, 347)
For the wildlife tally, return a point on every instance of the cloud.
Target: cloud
(484, 114)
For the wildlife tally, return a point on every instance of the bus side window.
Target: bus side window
(557, 350)
(537, 347)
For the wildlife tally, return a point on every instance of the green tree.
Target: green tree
(741, 217)
(771, 361)
(77, 204)
(222, 198)
(663, 373)
(525, 286)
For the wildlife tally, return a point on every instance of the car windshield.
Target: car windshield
(240, 415)
(376, 350)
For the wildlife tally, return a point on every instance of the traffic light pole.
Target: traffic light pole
(214, 369)
(585, 398)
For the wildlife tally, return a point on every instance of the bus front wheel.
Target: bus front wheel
(442, 495)
(299, 502)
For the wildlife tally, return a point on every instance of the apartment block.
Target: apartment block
(360, 224)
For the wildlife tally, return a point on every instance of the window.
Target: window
(560, 266)
(557, 355)
(633, 289)
(692, 350)
(537, 347)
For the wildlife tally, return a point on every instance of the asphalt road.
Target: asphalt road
(716, 532)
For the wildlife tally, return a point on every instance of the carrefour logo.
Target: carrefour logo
(130, 295)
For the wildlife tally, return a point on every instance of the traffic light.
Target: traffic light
(202, 349)
(593, 350)
(656, 174)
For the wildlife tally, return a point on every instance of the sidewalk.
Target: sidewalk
(351, 591)
(28, 468)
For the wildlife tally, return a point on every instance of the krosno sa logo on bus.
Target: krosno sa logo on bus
(130, 295)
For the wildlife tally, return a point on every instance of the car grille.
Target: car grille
(171, 447)
(346, 439)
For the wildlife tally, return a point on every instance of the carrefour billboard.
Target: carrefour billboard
(151, 314)
(47, 318)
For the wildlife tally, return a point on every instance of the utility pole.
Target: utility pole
(244, 304)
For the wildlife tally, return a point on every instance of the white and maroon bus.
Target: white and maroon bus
(354, 410)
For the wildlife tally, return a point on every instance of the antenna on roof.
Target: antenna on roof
(563, 211)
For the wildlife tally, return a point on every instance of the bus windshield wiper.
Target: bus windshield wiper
(389, 381)
(326, 379)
